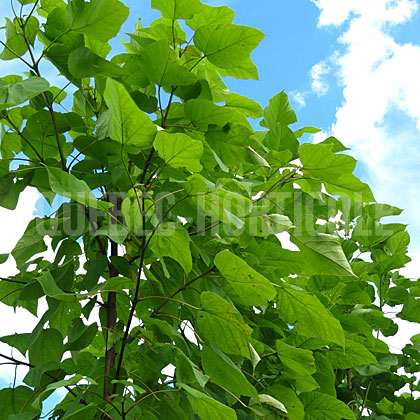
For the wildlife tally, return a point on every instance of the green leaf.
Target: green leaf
(411, 311)
(306, 130)
(353, 354)
(387, 407)
(12, 94)
(225, 373)
(310, 317)
(50, 288)
(86, 412)
(47, 6)
(15, 43)
(267, 224)
(206, 407)
(115, 232)
(336, 145)
(179, 150)
(248, 286)
(80, 335)
(324, 407)
(65, 313)
(220, 324)
(273, 402)
(323, 253)
(30, 243)
(211, 15)
(255, 357)
(300, 361)
(324, 375)
(202, 113)
(12, 400)
(172, 240)
(131, 210)
(48, 347)
(290, 400)
(159, 64)
(177, 9)
(57, 385)
(98, 19)
(278, 111)
(18, 341)
(336, 171)
(281, 138)
(129, 125)
(247, 106)
(83, 62)
(188, 372)
(30, 415)
(69, 186)
(228, 46)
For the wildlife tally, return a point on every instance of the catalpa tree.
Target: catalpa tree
(169, 294)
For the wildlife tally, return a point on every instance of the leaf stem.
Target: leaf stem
(20, 134)
(180, 289)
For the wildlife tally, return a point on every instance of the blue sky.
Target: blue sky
(350, 67)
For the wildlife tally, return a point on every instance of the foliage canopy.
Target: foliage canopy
(166, 239)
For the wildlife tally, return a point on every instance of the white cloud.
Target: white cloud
(318, 73)
(380, 114)
(336, 12)
(298, 97)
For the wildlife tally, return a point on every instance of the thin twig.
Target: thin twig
(180, 289)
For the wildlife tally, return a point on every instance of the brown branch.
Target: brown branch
(140, 270)
(13, 280)
(111, 305)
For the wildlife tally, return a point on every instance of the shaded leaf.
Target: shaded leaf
(48, 347)
(83, 62)
(225, 373)
(220, 324)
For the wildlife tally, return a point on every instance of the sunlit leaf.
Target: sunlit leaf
(311, 318)
(129, 125)
(228, 46)
(98, 19)
(248, 286)
(179, 150)
(172, 240)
